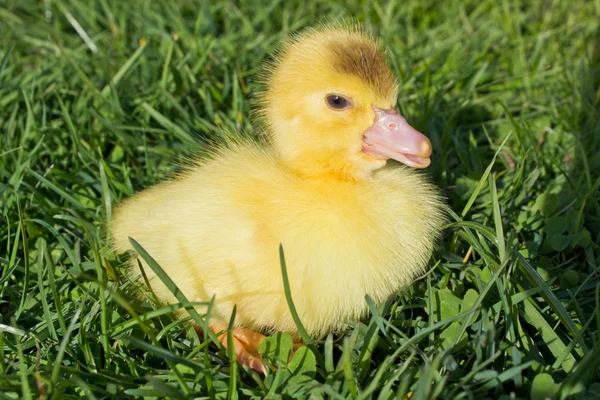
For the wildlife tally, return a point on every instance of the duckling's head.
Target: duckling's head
(329, 104)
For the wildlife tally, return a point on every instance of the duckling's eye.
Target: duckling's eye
(337, 102)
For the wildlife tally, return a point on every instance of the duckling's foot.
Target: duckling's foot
(297, 345)
(245, 347)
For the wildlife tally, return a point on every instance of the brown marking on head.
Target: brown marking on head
(360, 56)
(346, 49)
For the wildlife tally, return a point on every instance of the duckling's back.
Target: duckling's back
(216, 231)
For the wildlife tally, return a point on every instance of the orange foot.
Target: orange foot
(245, 347)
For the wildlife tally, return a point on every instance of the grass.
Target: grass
(99, 99)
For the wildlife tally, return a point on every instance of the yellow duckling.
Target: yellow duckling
(350, 226)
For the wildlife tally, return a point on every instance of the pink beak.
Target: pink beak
(391, 136)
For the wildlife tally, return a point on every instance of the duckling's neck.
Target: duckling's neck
(328, 167)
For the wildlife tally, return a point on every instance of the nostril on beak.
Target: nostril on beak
(392, 126)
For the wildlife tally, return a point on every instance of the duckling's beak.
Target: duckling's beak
(391, 136)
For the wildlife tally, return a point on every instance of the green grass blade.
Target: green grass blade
(179, 133)
(63, 346)
(550, 297)
(288, 296)
(483, 178)
(124, 69)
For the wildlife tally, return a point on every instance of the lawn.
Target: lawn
(99, 99)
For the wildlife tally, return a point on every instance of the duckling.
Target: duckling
(351, 224)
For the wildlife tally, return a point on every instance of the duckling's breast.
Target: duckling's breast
(353, 240)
